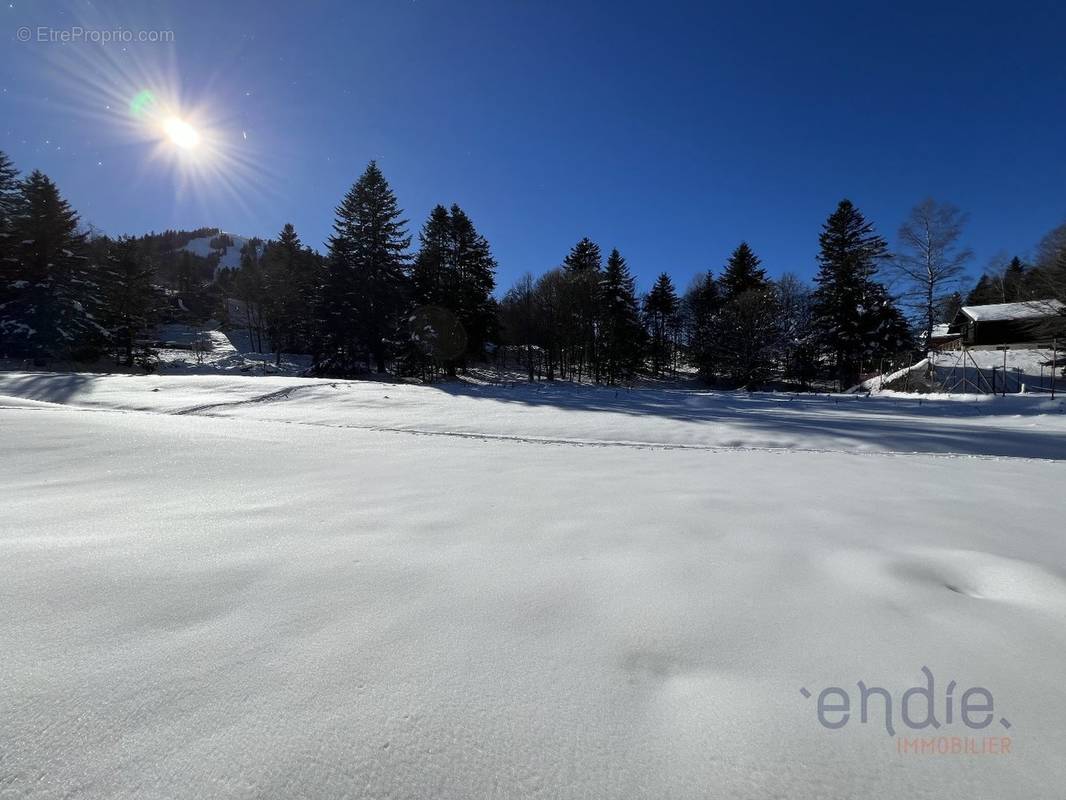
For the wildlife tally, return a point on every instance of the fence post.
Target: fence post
(1004, 373)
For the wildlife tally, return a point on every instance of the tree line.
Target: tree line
(372, 303)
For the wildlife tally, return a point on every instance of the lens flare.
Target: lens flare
(140, 101)
(181, 133)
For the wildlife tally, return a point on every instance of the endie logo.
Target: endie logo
(919, 708)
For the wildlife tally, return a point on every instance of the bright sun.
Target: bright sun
(181, 133)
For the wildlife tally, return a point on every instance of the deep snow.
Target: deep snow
(270, 587)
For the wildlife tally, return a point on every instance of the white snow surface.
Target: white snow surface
(221, 586)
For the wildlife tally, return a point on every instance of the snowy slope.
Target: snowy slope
(231, 259)
(263, 596)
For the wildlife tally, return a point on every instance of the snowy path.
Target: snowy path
(216, 604)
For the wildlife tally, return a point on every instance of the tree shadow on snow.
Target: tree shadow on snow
(909, 425)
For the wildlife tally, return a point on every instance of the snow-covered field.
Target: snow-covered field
(283, 587)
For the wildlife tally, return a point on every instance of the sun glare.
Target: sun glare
(181, 133)
(194, 137)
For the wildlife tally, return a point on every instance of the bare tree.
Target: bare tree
(1051, 263)
(930, 262)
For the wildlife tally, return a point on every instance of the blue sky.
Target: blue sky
(669, 130)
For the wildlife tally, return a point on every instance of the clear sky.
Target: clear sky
(671, 130)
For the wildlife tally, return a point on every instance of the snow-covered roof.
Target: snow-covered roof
(941, 330)
(1000, 312)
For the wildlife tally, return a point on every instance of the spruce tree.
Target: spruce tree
(434, 335)
(749, 337)
(703, 303)
(131, 302)
(9, 195)
(619, 323)
(748, 331)
(661, 316)
(289, 280)
(984, 293)
(430, 277)
(476, 273)
(581, 268)
(52, 305)
(850, 252)
(1015, 282)
(583, 257)
(366, 279)
(743, 272)
(452, 279)
(10, 289)
(885, 329)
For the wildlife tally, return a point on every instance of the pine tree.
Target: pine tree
(51, 304)
(131, 302)
(748, 332)
(434, 333)
(619, 323)
(476, 274)
(984, 293)
(430, 278)
(1015, 283)
(703, 303)
(582, 270)
(452, 279)
(885, 329)
(290, 278)
(661, 316)
(743, 272)
(583, 257)
(366, 279)
(849, 256)
(186, 278)
(9, 195)
(749, 336)
(10, 289)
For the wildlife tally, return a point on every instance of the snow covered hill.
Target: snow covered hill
(229, 257)
(278, 587)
